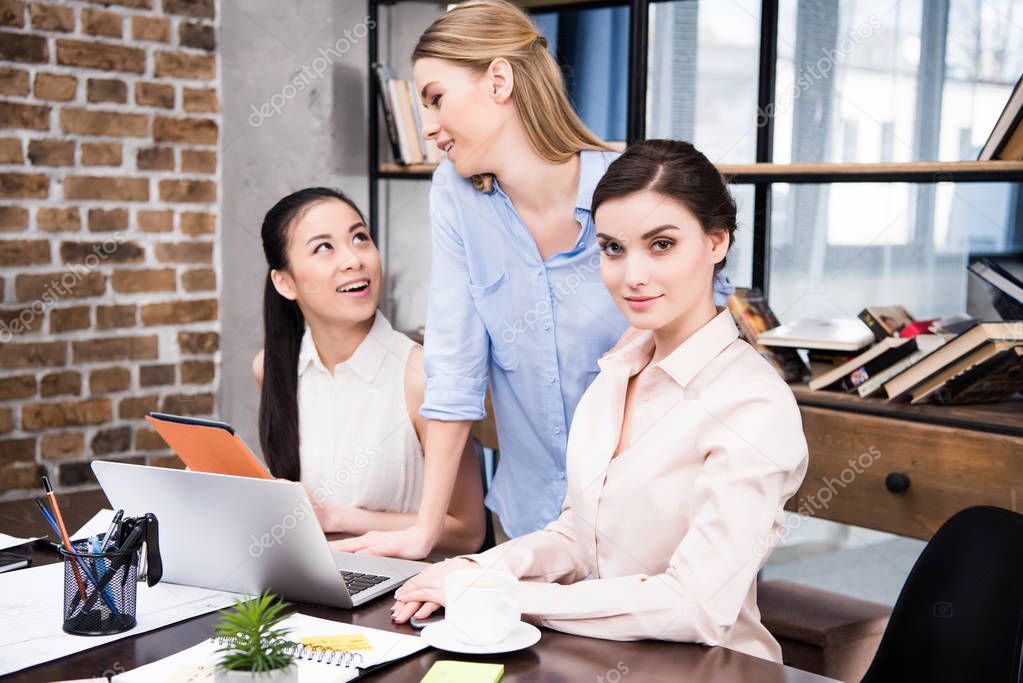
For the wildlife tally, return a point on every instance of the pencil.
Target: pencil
(63, 531)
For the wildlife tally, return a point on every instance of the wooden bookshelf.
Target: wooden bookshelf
(910, 171)
(995, 418)
(398, 170)
(915, 171)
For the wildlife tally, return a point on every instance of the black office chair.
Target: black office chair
(959, 616)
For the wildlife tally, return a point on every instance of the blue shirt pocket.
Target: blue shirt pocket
(494, 305)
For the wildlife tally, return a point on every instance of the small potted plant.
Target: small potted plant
(254, 647)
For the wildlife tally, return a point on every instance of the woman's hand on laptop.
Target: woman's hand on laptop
(423, 594)
(410, 544)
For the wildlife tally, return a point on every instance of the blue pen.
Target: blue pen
(97, 549)
(95, 582)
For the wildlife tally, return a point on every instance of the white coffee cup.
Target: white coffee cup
(481, 605)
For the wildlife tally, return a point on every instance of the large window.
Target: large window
(882, 81)
(876, 80)
(837, 248)
(702, 76)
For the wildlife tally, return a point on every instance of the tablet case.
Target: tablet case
(208, 445)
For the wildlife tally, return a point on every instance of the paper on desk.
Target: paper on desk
(99, 524)
(32, 602)
(96, 526)
(12, 541)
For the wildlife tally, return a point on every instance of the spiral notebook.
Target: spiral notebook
(366, 649)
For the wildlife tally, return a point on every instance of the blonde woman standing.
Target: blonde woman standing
(516, 300)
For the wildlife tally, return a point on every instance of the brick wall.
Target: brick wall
(109, 276)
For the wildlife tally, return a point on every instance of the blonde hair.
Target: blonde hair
(474, 34)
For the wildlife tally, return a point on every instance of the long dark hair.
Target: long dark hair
(674, 169)
(284, 325)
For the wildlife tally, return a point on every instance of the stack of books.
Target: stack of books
(1006, 139)
(753, 317)
(403, 117)
(888, 354)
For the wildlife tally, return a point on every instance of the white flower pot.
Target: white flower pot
(286, 675)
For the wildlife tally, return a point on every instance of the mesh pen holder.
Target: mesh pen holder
(111, 588)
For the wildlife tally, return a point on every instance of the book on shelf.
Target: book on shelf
(917, 347)
(863, 366)
(417, 117)
(834, 334)
(996, 379)
(970, 368)
(885, 321)
(383, 75)
(1006, 139)
(982, 333)
(919, 327)
(1005, 288)
(403, 117)
(828, 360)
(752, 316)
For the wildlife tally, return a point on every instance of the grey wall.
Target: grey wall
(316, 135)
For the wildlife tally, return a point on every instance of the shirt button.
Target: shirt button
(561, 475)
(547, 326)
(557, 430)
(539, 271)
(552, 380)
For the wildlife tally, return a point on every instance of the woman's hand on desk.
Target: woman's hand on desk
(421, 595)
(410, 544)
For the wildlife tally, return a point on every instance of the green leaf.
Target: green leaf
(252, 639)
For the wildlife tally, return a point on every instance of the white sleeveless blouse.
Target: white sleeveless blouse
(357, 445)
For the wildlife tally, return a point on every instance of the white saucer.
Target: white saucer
(443, 637)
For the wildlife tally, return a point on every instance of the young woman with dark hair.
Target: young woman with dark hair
(340, 388)
(683, 450)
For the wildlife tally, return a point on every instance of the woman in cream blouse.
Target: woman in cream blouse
(340, 389)
(682, 452)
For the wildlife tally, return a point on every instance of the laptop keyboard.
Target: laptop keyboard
(356, 582)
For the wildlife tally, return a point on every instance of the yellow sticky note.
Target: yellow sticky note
(346, 643)
(450, 671)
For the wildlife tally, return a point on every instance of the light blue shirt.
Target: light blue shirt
(534, 329)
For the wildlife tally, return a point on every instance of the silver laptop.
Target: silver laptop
(245, 535)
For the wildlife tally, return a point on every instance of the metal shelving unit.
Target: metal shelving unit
(761, 174)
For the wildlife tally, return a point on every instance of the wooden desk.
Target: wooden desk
(953, 456)
(557, 657)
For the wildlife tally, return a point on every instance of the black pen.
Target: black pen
(115, 523)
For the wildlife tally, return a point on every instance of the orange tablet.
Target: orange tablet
(208, 445)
